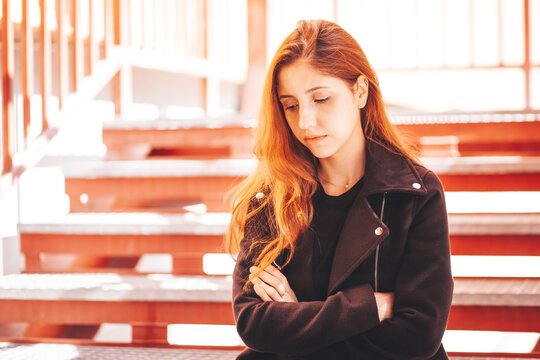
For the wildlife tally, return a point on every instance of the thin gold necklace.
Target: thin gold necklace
(346, 186)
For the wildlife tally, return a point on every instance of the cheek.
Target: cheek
(293, 125)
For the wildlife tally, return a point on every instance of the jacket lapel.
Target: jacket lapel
(357, 240)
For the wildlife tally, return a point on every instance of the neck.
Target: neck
(340, 172)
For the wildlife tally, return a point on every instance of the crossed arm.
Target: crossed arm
(272, 285)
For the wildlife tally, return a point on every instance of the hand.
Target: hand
(272, 285)
(385, 302)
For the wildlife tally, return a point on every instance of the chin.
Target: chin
(321, 154)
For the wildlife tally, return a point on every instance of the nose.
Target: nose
(306, 119)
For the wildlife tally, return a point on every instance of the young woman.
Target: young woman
(341, 234)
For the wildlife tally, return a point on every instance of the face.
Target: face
(322, 111)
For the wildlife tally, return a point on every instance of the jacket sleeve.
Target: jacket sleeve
(423, 290)
(302, 327)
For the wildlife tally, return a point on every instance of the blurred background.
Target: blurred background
(125, 123)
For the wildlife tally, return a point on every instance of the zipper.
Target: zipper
(377, 249)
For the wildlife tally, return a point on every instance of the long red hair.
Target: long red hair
(286, 173)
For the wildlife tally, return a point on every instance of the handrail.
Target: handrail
(119, 34)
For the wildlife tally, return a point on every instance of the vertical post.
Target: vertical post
(256, 57)
(46, 67)
(93, 50)
(109, 27)
(527, 60)
(121, 84)
(471, 34)
(27, 64)
(204, 84)
(63, 75)
(500, 31)
(77, 57)
(7, 86)
(210, 83)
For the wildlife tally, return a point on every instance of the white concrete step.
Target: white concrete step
(179, 124)
(13, 351)
(131, 223)
(216, 223)
(463, 118)
(243, 167)
(114, 287)
(159, 168)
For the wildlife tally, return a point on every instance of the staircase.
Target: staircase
(122, 244)
(140, 246)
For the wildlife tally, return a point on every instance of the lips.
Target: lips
(314, 138)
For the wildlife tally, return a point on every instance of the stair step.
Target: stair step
(216, 224)
(116, 288)
(19, 351)
(181, 124)
(490, 165)
(170, 185)
(497, 292)
(167, 185)
(480, 304)
(159, 168)
(90, 240)
(131, 223)
(188, 237)
(476, 134)
(136, 139)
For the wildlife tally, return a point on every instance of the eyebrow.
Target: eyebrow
(307, 91)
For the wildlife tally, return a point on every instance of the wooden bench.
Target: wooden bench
(193, 138)
(170, 185)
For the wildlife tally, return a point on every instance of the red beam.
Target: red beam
(96, 312)
(495, 245)
(495, 318)
(124, 245)
(489, 132)
(123, 194)
(491, 182)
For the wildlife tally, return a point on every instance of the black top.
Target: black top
(328, 219)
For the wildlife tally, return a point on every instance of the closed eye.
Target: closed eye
(291, 107)
(322, 100)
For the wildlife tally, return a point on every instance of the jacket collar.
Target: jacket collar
(386, 171)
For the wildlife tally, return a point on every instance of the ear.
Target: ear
(360, 91)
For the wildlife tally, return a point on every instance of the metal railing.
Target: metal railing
(95, 43)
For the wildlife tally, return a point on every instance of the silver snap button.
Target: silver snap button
(378, 231)
(259, 195)
(416, 186)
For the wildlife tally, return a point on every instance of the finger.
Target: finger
(276, 272)
(262, 294)
(274, 282)
(274, 277)
(269, 290)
